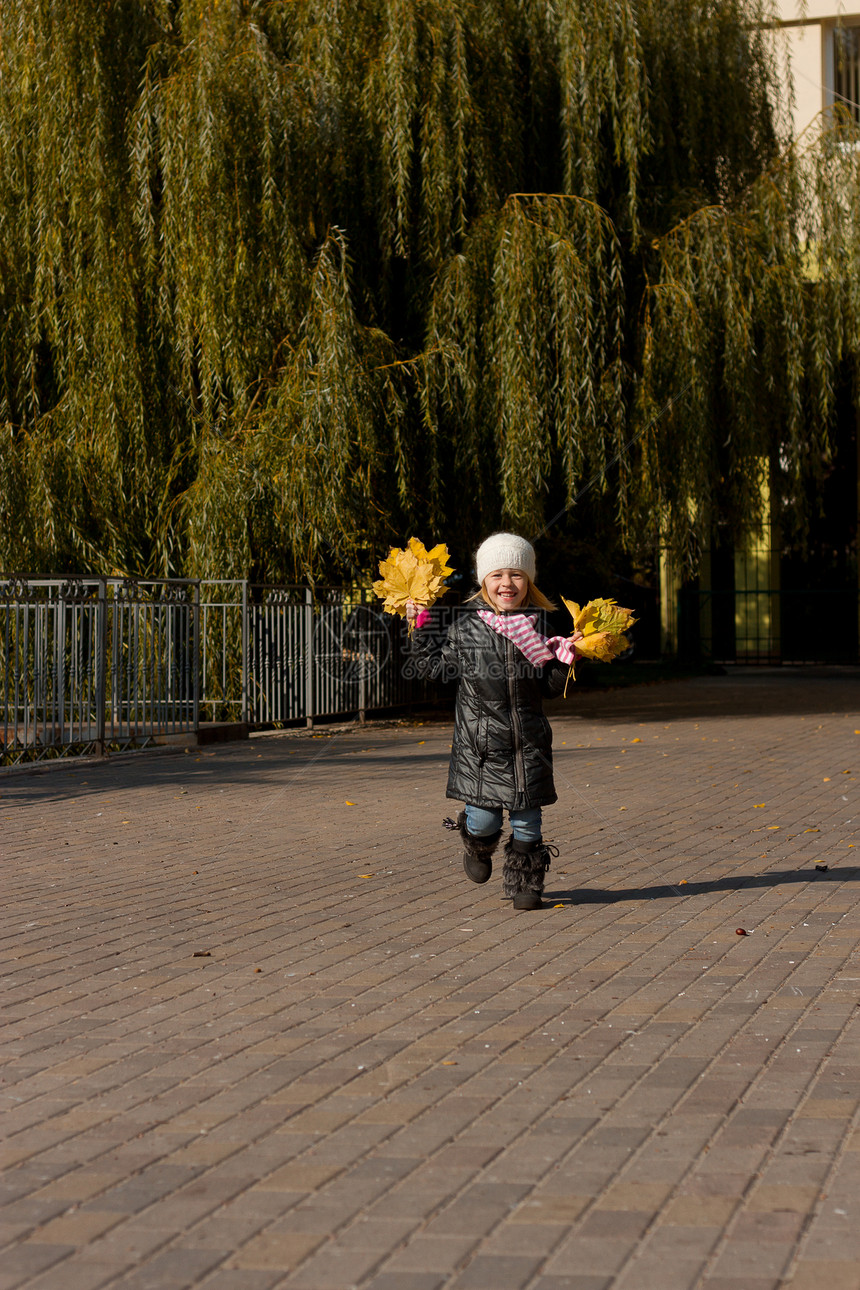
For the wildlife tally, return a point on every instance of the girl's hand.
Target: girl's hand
(573, 639)
(413, 609)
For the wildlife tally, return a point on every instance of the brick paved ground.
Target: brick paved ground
(259, 1031)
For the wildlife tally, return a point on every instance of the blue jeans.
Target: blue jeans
(483, 821)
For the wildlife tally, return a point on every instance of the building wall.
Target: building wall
(807, 30)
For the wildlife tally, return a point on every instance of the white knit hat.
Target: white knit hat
(505, 551)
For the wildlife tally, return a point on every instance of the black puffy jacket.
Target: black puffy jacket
(501, 755)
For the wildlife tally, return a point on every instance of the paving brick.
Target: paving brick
(240, 1279)
(381, 1234)
(334, 1266)
(434, 1254)
(172, 1269)
(700, 1211)
(836, 1274)
(745, 1282)
(406, 1281)
(746, 1258)
(590, 1255)
(77, 1228)
(674, 1271)
(550, 1208)
(76, 1273)
(278, 1250)
(573, 1282)
(488, 1273)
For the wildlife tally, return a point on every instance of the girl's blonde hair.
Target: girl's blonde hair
(535, 599)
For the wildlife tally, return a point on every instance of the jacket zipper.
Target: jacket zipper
(516, 725)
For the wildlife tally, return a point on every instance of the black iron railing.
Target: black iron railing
(811, 625)
(99, 664)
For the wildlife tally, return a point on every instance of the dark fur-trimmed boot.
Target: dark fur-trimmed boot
(477, 852)
(526, 864)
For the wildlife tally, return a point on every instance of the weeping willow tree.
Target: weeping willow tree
(284, 279)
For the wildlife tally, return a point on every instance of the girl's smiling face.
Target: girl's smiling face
(507, 588)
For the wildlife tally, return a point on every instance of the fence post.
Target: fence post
(246, 716)
(101, 667)
(195, 629)
(57, 663)
(309, 658)
(362, 662)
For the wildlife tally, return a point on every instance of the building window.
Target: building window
(843, 70)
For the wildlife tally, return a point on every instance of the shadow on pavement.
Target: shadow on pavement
(295, 762)
(742, 692)
(778, 878)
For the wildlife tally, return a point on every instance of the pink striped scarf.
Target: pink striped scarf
(520, 628)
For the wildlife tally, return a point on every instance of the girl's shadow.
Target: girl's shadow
(667, 891)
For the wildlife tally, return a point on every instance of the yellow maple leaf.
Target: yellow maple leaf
(602, 646)
(438, 555)
(412, 573)
(600, 615)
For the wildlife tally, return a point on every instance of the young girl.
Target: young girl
(501, 755)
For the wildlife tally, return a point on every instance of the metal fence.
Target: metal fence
(772, 626)
(275, 654)
(93, 665)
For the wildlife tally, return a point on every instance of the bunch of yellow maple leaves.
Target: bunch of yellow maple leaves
(412, 573)
(603, 624)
